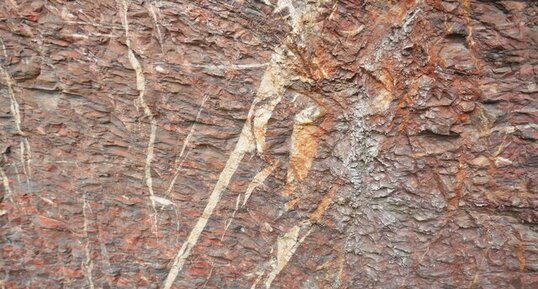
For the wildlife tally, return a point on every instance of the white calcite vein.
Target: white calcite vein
(184, 146)
(141, 87)
(258, 179)
(88, 263)
(5, 182)
(272, 86)
(286, 247)
(25, 150)
(288, 243)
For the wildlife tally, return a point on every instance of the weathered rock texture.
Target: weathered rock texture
(269, 144)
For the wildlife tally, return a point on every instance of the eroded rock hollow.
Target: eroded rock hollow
(268, 144)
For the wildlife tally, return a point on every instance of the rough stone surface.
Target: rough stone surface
(268, 144)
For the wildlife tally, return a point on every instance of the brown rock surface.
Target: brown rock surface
(269, 144)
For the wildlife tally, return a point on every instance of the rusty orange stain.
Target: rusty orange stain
(324, 204)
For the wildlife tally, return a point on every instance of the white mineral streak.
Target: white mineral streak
(141, 87)
(276, 78)
(232, 217)
(269, 94)
(286, 246)
(273, 84)
(184, 146)
(244, 145)
(153, 11)
(26, 155)
(290, 241)
(88, 263)
(162, 201)
(258, 179)
(5, 182)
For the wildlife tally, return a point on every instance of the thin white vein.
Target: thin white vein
(272, 86)
(25, 158)
(289, 242)
(162, 201)
(260, 276)
(286, 247)
(141, 87)
(232, 217)
(17, 174)
(88, 264)
(191, 131)
(184, 146)
(25, 150)
(277, 77)
(151, 10)
(14, 107)
(170, 187)
(5, 182)
(258, 179)
(209, 275)
(244, 145)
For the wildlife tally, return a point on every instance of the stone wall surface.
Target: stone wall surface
(268, 144)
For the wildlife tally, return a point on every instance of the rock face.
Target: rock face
(269, 144)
